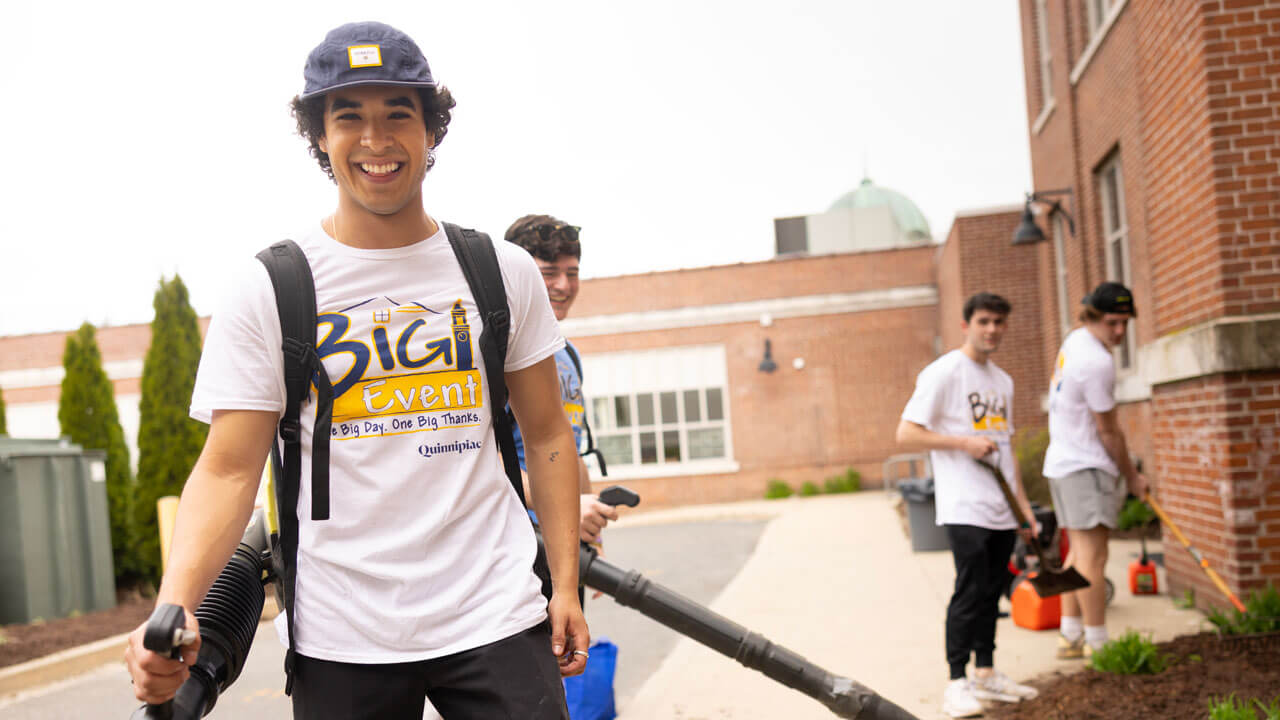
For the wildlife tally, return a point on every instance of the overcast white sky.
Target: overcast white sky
(144, 139)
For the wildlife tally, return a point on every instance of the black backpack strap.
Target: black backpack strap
(296, 304)
(479, 261)
(591, 443)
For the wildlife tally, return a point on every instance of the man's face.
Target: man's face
(377, 145)
(1111, 328)
(984, 330)
(561, 278)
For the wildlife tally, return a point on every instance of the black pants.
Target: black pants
(982, 572)
(516, 678)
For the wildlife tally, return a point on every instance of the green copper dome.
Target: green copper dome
(909, 218)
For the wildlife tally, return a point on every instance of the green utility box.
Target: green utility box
(55, 535)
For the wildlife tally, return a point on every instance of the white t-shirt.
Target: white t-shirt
(427, 550)
(956, 396)
(1084, 382)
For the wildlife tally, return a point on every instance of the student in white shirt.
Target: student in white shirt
(961, 412)
(1087, 461)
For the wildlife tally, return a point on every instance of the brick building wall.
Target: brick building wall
(1187, 94)
(988, 263)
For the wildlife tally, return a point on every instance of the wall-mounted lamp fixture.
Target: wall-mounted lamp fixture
(1028, 232)
(767, 365)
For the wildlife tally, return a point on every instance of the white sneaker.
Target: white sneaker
(958, 700)
(999, 686)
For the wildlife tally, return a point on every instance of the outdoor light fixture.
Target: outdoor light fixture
(1028, 232)
(767, 365)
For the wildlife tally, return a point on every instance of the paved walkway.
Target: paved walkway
(834, 579)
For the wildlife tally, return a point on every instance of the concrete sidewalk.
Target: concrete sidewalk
(834, 579)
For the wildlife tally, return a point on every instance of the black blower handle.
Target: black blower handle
(166, 634)
(616, 495)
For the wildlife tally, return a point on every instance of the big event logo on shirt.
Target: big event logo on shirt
(990, 411)
(404, 378)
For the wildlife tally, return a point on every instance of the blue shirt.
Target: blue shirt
(570, 395)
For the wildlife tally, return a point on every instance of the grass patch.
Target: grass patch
(1187, 601)
(1130, 654)
(1233, 708)
(850, 481)
(777, 489)
(1262, 615)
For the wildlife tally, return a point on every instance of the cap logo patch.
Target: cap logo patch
(364, 56)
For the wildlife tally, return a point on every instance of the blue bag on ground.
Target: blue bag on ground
(590, 695)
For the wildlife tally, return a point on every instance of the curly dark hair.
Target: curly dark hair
(986, 301)
(545, 237)
(436, 103)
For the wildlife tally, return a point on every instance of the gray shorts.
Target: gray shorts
(1088, 498)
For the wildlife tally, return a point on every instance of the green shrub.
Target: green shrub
(169, 441)
(809, 489)
(777, 489)
(87, 414)
(1029, 447)
(1232, 708)
(1187, 601)
(1135, 514)
(3, 426)
(850, 481)
(1262, 614)
(1130, 654)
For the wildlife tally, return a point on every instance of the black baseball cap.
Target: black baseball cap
(364, 53)
(1111, 297)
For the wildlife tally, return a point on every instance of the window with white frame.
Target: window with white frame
(660, 409)
(1115, 233)
(1060, 272)
(1096, 11)
(1046, 56)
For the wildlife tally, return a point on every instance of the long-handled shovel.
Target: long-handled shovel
(1051, 580)
(1200, 559)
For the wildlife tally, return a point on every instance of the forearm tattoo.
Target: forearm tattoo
(553, 457)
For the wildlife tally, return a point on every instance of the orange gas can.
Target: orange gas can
(1142, 574)
(1032, 611)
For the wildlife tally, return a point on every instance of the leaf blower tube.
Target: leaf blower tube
(845, 697)
(228, 619)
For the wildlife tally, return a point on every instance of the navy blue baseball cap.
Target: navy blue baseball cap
(364, 53)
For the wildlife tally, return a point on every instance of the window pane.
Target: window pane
(671, 445)
(714, 409)
(622, 404)
(616, 449)
(692, 413)
(644, 409)
(1117, 259)
(1111, 187)
(603, 419)
(706, 443)
(648, 448)
(668, 402)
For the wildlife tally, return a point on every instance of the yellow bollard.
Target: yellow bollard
(167, 511)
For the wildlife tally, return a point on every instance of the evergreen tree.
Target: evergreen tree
(169, 441)
(87, 414)
(4, 428)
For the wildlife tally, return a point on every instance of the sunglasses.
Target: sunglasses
(566, 232)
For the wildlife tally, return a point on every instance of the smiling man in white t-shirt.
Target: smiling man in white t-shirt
(420, 582)
(1087, 461)
(961, 412)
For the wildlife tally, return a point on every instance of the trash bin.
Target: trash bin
(55, 535)
(926, 534)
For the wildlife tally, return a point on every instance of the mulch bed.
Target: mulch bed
(1247, 666)
(20, 643)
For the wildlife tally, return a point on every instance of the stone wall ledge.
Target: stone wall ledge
(1230, 344)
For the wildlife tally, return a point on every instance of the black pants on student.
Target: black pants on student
(982, 572)
(516, 678)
